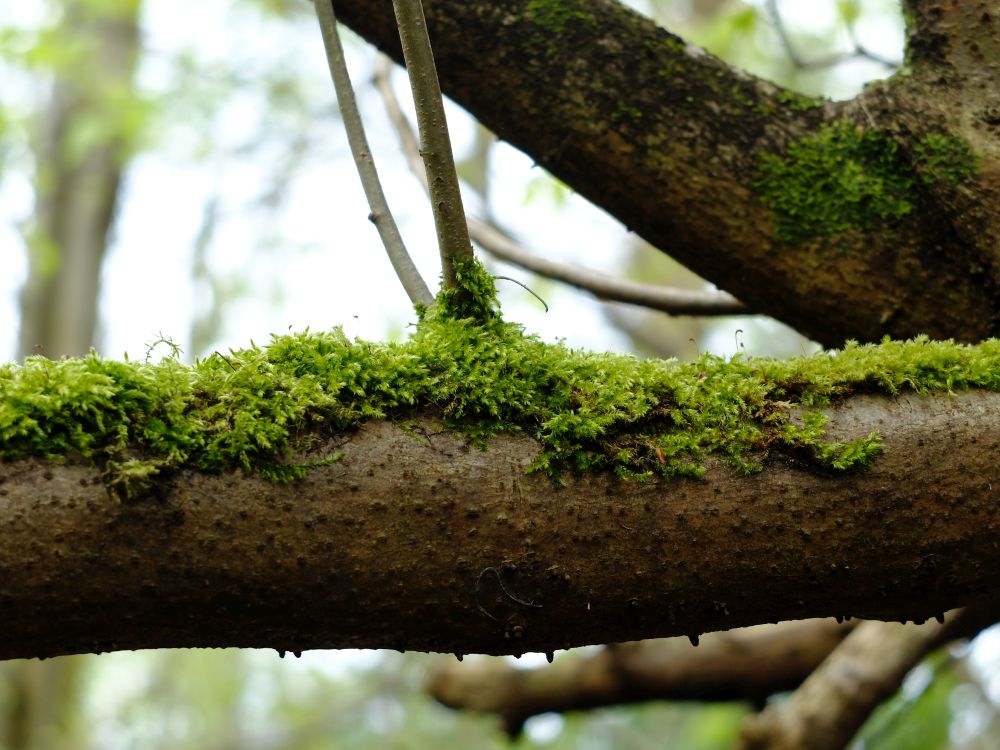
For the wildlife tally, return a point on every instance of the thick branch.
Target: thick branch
(414, 540)
(668, 139)
(745, 664)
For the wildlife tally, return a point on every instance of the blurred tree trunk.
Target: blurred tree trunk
(81, 145)
(41, 707)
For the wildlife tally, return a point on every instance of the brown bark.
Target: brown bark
(664, 137)
(747, 664)
(414, 540)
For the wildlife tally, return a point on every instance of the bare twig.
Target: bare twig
(446, 198)
(828, 61)
(380, 215)
(666, 299)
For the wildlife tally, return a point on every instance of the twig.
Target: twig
(446, 199)
(666, 299)
(380, 214)
(828, 61)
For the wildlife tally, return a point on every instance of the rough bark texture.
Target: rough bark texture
(666, 138)
(415, 540)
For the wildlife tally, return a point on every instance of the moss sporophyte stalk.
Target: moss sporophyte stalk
(480, 375)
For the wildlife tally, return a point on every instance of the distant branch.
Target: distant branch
(828, 61)
(446, 198)
(828, 709)
(380, 214)
(666, 299)
(747, 664)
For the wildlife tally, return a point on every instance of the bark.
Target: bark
(414, 540)
(665, 137)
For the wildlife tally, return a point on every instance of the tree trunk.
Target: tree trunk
(80, 152)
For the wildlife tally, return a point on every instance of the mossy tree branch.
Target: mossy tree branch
(391, 546)
(435, 145)
(380, 215)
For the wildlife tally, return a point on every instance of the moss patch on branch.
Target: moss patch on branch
(849, 177)
(482, 376)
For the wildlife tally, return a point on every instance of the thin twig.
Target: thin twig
(666, 299)
(828, 61)
(380, 214)
(435, 150)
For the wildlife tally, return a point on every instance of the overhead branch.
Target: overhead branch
(670, 300)
(380, 215)
(673, 142)
(392, 547)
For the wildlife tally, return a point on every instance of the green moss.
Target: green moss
(850, 177)
(842, 178)
(474, 296)
(943, 158)
(799, 102)
(482, 376)
(555, 17)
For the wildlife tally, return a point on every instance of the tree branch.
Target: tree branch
(380, 214)
(665, 299)
(831, 705)
(669, 140)
(414, 540)
(744, 664)
(446, 198)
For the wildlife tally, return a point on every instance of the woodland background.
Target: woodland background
(193, 179)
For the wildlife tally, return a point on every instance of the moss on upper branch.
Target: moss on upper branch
(848, 177)
(482, 376)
